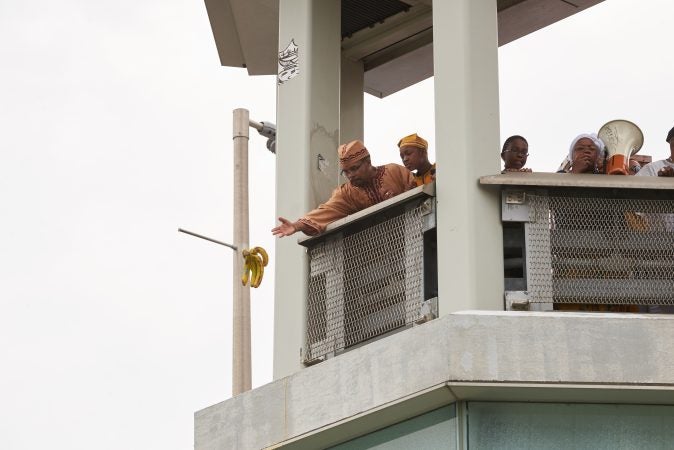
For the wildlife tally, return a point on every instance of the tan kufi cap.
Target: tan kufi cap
(413, 140)
(351, 152)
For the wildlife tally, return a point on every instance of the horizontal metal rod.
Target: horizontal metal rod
(233, 247)
(253, 124)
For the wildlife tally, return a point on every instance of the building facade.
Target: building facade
(436, 346)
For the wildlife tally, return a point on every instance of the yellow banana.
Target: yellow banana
(263, 253)
(260, 273)
(255, 269)
(256, 274)
(255, 260)
(245, 277)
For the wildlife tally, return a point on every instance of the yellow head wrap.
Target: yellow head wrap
(413, 140)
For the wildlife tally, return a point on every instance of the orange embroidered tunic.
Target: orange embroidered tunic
(389, 181)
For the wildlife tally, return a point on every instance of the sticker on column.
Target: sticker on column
(288, 61)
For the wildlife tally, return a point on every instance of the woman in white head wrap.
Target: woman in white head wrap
(586, 153)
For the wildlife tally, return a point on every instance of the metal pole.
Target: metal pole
(191, 233)
(241, 367)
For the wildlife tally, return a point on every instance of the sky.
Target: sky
(115, 130)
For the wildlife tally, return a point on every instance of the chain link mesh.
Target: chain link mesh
(600, 250)
(365, 284)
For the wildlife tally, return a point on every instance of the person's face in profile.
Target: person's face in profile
(515, 156)
(413, 158)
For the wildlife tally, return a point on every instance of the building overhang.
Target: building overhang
(469, 356)
(393, 38)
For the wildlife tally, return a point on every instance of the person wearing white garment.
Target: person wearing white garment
(664, 167)
(585, 153)
(661, 168)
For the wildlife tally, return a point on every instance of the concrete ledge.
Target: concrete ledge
(577, 180)
(475, 355)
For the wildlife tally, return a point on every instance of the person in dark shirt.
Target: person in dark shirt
(514, 154)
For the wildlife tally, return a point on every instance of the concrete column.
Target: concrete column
(470, 247)
(307, 117)
(351, 101)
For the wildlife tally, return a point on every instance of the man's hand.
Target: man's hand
(286, 228)
(666, 172)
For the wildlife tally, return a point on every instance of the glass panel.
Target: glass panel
(433, 430)
(565, 426)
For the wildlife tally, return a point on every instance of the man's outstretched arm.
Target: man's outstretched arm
(287, 228)
(315, 221)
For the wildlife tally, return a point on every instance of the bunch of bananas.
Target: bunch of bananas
(255, 260)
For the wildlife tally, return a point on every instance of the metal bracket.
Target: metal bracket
(428, 310)
(514, 206)
(322, 163)
(427, 206)
(428, 214)
(517, 301)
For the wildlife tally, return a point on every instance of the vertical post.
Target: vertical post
(470, 240)
(307, 167)
(351, 108)
(241, 376)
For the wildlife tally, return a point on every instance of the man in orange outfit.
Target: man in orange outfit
(367, 186)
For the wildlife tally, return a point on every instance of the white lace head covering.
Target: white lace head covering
(591, 136)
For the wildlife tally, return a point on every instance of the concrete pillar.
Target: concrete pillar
(351, 126)
(307, 117)
(470, 247)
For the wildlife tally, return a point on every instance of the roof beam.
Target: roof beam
(393, 30)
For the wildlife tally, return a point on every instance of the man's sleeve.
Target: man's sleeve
(648, 171)
(337, 207)
(407, 180)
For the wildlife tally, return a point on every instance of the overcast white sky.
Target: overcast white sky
(115, 129)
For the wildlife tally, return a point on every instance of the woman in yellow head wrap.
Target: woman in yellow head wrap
(414, 154)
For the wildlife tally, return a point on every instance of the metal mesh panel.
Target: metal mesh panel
(600, 250)
(365, 284)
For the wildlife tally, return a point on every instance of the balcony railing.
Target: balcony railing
(569, 241)
(578, 240)
(371, 273)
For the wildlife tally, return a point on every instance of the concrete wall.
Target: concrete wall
(505, 356)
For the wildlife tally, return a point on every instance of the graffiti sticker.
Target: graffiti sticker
(288, 62)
